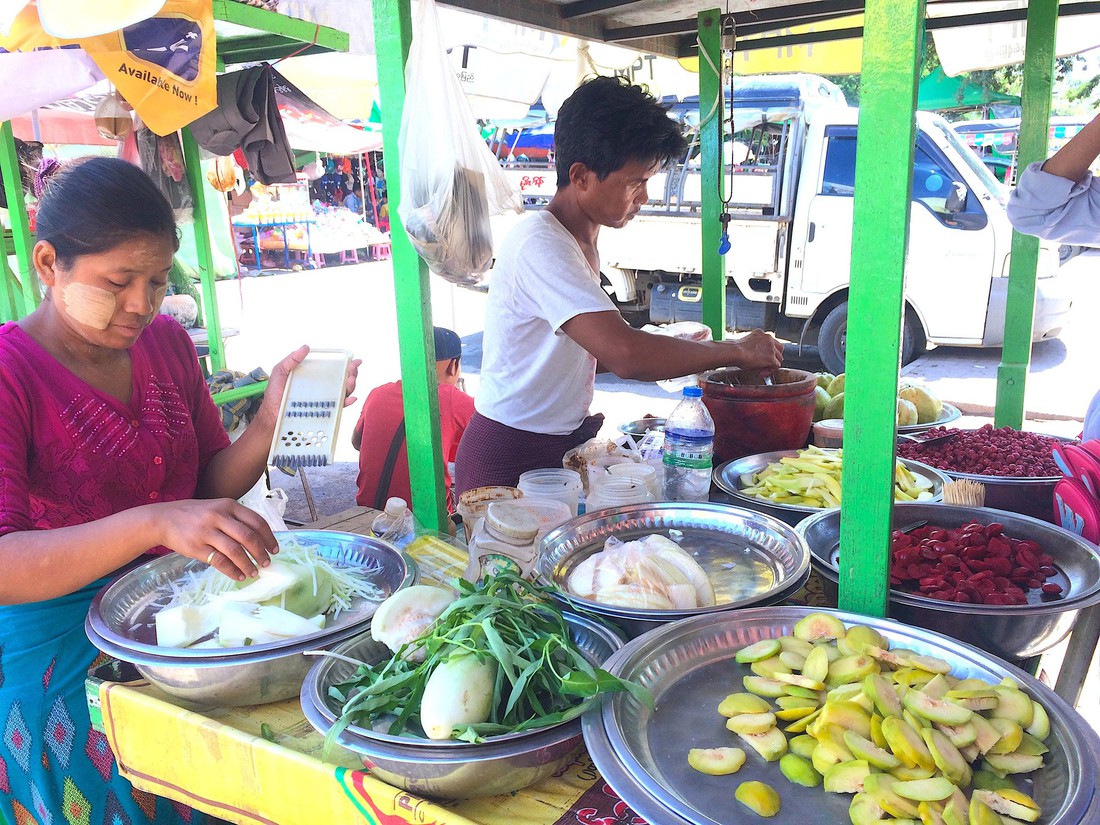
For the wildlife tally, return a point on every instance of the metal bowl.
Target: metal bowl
(750, 558)
(448, 768)
(120, 622)
(727, 477)
(689, 667)
(949, 414)
(1011, 632)
(1026, 495)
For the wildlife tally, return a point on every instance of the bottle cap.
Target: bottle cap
(511, 520)
(693, 392)
(395, 506)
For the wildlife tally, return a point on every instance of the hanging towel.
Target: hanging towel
(248, 118)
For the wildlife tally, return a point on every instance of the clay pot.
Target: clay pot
(752, 417)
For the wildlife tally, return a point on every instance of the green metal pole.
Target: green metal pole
(26, 299)
(204, 250)
(237, 393)
(892, 45)
(11, 303)
(711, 164)
(1042, 23)
(392, 37)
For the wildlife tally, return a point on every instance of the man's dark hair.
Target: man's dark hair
(606, 123)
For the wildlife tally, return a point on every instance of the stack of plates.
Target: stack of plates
(690, 668)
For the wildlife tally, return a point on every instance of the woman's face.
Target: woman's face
(109, 298)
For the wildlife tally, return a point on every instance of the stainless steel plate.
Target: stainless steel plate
(949, 414)
(689, 666)
(121, 618)
(750, 558)
(593, 638)
(728, 478)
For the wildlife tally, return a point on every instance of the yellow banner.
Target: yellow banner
(163, 66)
(828, 58)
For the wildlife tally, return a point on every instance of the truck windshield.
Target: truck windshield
(995, 187)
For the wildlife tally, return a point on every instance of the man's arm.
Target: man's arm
(1073, 160)
(631, 353)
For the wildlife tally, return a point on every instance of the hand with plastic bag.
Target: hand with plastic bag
(450, 182)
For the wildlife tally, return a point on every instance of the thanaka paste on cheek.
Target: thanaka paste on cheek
(89, 305)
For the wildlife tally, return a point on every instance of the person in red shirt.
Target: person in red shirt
(382, 450)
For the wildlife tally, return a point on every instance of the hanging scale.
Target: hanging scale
(729, 41)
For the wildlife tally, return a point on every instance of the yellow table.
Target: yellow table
(216, 760)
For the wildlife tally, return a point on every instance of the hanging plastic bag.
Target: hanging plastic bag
(450, 181)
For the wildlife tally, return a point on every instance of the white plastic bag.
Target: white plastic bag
(271, 504)
(450, 182)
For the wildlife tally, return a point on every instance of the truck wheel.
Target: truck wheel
(832, 338)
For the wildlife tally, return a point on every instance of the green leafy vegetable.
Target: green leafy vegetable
(542, 678)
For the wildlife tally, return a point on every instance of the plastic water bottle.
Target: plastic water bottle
(688, 449)
(394, 524)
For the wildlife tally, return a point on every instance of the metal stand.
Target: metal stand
(309, 494)
(1079, 655)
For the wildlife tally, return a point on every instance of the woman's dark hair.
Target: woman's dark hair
(606, 123)
(93, 205)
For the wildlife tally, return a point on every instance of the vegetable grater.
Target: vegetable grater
(309, 414)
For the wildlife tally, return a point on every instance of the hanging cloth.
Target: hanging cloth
(248, 118)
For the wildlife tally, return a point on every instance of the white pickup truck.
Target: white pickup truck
(789, 184)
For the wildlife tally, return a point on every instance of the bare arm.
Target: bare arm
(1072, 161)
(631, 353)
(45, 564)
(357, 434)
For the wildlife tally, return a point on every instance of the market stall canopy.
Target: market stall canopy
(796, 32)
(164, 66)
(310, 126)
(938, 92)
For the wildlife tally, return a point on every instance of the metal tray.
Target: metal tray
(689, 667)
(595, 640)
(727, 477)
(750, 558)
(121, 617)
(949, 414)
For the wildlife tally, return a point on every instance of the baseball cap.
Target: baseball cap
(447, 344)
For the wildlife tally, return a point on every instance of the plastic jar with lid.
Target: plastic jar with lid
(505, 540)
(616, 492)
(559, 484)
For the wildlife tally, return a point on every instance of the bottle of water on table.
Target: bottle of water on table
(689, 449)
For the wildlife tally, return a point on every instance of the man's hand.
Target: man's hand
(755, 351)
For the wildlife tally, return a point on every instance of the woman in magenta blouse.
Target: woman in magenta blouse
(110, 447)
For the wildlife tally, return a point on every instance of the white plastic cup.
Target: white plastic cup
(559, 484)
(550, 512)
(645, 473)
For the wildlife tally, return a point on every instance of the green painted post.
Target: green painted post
(1042, 22)
(392, 37)
(892, 46)
(26, 299)
(193, 165)
(11, 302)
(711, 168)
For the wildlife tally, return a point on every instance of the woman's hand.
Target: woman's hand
(349, 385)
(756, 350)
(221, 532)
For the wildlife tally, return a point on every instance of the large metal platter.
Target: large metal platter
(121, 618)
(689, 666)
(949, 414)
(750, 558)
(727, 477)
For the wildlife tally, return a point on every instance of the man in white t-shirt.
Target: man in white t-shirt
(549, 324)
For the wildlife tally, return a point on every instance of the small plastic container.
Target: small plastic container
(829, 434)
(395, 523)
(473, 504)
(645, 473)
(549, 512)
(559, 484)
(504, 540)
(616, 492)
